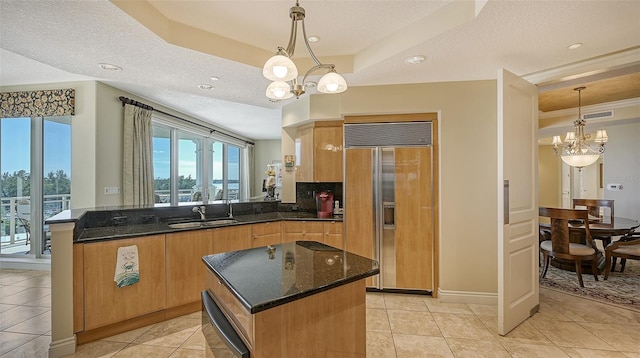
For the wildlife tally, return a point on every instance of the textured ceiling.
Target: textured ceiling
(168, 48)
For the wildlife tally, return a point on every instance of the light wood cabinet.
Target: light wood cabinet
(303, 231)
(106, 303)
(319, 150)
(231, 238)
(264, 234)
(184, 268)
(333, 235)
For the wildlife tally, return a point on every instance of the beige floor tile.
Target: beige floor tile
(36, 281)
(455, 325)
(377, 320)
(375, 300)
(37, 325)
(484, 310)
(471, 348)
(570, 334)
(195, 342)
(10, 290)
(631, 355)
(10, 341)
(440, 307)
(413, 322)
(521, 350)
(406, 302)
(524, 333)
(596, 312)
(591, 353)
(42, 302)
(408, 346)
(144, 351)
(191, 353)
(20, 314)
(548, 312)
(98, 349)
(28, 295)
(129, 336)
(6, 307)
(380, 345)
(621, 337)
(38, 347)
(170, 333)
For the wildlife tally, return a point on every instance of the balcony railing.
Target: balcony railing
(15, 213)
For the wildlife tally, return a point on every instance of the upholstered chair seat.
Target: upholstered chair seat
(574, 249)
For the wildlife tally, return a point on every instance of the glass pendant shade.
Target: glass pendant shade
(332, 83)
(580, 160)
(279, 90)
(279, 68)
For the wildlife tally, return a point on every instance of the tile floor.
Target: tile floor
(397, 326)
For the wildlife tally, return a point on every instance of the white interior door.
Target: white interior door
(518, 290)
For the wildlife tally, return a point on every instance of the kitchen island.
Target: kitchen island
(296, 299)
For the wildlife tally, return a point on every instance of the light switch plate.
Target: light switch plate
(111, 190)
(614, 187)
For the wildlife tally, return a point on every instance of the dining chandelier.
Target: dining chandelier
(575, 151)
(283, 72)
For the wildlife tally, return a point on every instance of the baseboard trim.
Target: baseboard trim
(62, 347)
(482, 298)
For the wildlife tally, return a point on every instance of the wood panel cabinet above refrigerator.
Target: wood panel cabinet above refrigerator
(319, 152)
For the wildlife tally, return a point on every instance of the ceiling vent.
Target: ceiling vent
(598, 115)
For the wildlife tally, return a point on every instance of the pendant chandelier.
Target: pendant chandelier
(575, 151)
(283, 72)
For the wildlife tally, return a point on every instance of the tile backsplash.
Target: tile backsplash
(305, 194)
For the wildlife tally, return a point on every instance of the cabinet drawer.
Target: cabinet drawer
(303, 226)
(265, 228)
(333, 227)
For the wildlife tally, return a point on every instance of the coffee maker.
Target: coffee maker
(324, 204)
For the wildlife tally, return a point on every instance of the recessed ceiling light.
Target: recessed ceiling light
(205, 87)
(109, 67)
(313, 39)
(574, 46)
(215, 78)
(416, 59)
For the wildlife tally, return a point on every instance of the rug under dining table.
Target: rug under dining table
(622, 289)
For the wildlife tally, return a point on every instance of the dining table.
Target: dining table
(599, 227)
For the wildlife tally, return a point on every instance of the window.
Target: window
(35, 164)
(192, 167)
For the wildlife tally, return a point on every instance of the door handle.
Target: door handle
(506, 202)
(389, 215)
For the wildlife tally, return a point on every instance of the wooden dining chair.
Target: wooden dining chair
(593, 206)
(560, 247)
(627, 247)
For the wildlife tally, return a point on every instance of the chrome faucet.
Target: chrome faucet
(230, 209)
(200, 210)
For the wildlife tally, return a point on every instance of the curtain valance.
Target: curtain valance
(44, 103)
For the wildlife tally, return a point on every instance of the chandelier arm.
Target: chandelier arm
(306, 42)
(291, 47)
(330, 66)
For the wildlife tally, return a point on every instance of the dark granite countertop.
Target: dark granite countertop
(266, 277)
(162, 227)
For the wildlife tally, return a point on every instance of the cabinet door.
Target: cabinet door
(303, 231)
(106, 303)
(266, 234)
(358, 206)
(304, 150)
(327, 152)
(333, 234)
(232, 238)
(185, 269)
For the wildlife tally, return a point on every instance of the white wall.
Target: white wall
(266, 151)
(622, 166)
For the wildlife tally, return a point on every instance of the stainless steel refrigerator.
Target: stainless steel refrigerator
(390, 202)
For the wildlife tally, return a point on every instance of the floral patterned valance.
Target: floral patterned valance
(46, 103)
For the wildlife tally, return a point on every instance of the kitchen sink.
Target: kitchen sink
(196, 224)
(220, 222)
(185, 225)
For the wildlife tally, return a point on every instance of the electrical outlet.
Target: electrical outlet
(111, 190)
(614, 187)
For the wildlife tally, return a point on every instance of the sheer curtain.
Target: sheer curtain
(248, 170)
(137, 181)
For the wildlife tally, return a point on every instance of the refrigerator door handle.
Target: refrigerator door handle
(389, 215)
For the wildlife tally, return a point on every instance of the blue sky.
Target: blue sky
(15, 145)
